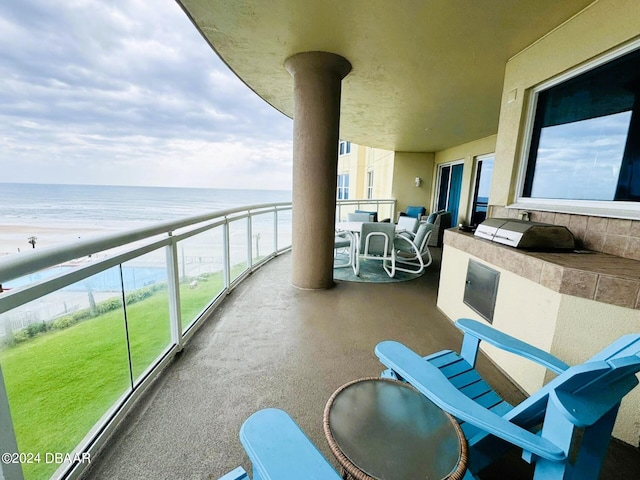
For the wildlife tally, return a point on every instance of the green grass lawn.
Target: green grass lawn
(62, 382)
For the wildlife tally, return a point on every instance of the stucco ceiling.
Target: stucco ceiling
(427, 74)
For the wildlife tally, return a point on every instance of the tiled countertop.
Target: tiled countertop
(586, 274)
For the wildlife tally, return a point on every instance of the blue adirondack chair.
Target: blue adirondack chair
(279, 450)
(576, 410)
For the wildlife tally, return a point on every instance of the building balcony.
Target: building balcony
(271, 345)
(166, 398)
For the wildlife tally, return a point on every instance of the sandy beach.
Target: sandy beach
(15, 238)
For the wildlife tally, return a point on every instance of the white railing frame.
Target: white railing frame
(370, 202)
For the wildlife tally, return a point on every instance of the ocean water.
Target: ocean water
(55, 214)
(120, 207)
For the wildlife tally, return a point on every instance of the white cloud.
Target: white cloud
(127, 92)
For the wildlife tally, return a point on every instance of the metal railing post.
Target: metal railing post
(173, 279)
(250, 241)
(226, 261)
(275, 230)
(9, 469)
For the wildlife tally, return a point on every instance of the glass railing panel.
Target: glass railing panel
(147, 309)
(201, 273)
(262, 240)
(284, 229)
(343, 211)
(39, 276)
(65, 364)
(238, 249)
(384, 208)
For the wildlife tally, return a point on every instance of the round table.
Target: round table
(383, 429)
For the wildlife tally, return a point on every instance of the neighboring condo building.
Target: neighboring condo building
(456, 179)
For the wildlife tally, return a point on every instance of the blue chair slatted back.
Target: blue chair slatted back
(602, 372)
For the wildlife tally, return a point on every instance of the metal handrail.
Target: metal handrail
(15, 266)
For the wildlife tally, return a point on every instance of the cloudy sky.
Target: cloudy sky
(581, 160)
(126, 92)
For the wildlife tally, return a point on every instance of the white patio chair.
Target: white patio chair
(376, 243)
(407, 224)
(343, 243)
(359, 217)
(412, 254)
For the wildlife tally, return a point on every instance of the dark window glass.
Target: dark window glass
(484, 172)
(586, 136)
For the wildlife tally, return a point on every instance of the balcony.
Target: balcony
(268, 345)
(272, 345)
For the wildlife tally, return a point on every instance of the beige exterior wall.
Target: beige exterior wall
(381, 163)
(408, 166)
(353, 164)
(351, 160)
(465, 153)
(534, 306)
(571, 328)
(586, 328)
(394, 175)
(602, 26)
(358, 162)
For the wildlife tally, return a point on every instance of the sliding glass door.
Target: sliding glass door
(449, 187)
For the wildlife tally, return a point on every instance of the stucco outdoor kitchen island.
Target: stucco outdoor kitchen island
(569, 304)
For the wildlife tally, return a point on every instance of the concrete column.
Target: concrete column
(317, 80)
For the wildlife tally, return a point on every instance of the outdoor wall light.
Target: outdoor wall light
(418, 181)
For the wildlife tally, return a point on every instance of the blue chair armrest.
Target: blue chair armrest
(279, 450)
(475, 331)
(430, 381)
(237, 474)
(586, 406)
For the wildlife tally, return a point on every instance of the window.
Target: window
(370, 184)
(585, 142)
(343, 187)
(484, 172)
(344, 147)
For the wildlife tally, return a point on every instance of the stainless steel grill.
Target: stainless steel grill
(526, 235)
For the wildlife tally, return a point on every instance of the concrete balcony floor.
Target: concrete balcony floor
(271, 345)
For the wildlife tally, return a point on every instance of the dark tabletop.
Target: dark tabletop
(392, 432)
